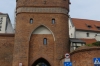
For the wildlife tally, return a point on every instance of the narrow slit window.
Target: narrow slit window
(71, 34)
(31, 21)
(53, 21)
(87, 34)
(45, 41)
(1, 19)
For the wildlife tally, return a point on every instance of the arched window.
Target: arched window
(45, 41)
(31, 21)
(53, 21)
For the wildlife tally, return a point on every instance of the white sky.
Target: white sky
(8, 6)
(85, 9)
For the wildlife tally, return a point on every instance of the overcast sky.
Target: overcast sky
(85, 9)
(8, 6)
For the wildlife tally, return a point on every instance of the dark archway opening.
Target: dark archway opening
(41, 62)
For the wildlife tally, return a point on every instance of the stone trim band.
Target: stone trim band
(42, 10)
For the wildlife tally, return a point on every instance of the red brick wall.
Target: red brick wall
(84, 57)
(40, 3)
(6, 50)
(39, 50)
(24, 30)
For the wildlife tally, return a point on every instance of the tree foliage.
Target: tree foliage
(96, 43)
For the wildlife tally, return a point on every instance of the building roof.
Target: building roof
(1, 13)
(85, 24)
(88, 41)
(76, 40)
(82, 40)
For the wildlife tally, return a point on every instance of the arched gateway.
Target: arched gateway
(41, 45)
(41, 62)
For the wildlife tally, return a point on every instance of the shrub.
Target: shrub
(96, 43)
(89, 45)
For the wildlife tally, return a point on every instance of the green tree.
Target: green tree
(96, 43)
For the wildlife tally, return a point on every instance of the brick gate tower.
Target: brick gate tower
(41, 36)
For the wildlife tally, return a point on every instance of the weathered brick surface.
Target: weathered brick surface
(6, 50)
(84, 56)
(23, 36)
(43, 3)
(27, 46)
(39, 50)
(42, 10)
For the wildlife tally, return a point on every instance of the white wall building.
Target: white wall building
(5, 24)
(83, 31)
(82, 28)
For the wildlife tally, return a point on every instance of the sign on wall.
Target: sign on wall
(96, 61)
(67, 63)
(67, 55)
